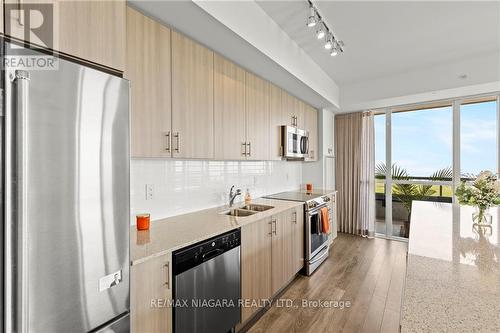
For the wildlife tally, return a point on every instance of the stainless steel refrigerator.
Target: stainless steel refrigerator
(66, 198)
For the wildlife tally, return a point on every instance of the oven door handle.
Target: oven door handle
(321, 256)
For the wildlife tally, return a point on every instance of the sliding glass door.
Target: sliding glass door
(422, 152)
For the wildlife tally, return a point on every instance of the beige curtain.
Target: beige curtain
(367, 178)
(353, 172)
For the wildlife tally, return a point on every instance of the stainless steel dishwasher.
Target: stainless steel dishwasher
(207, 285)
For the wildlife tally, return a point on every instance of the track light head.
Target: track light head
(334, 52)
(329, 42)
(311, 19)
(320, 32)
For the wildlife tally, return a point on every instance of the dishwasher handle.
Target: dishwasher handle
(211, 254)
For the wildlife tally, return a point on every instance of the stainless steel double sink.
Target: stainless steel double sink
(246, 210)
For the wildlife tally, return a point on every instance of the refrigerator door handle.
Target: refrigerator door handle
(20, 82)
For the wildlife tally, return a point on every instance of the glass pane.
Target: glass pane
(380, 206)
(422, 144)
(402, 197)
(478, 148)
(379, 123)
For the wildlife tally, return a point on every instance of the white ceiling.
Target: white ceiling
(389, 38)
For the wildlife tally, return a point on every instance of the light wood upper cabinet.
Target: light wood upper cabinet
(257, 117)
(275, 121)
(192, 99)
(229, 109)
(292, 110)
(151, 288)
(282, 250)
(298, 246)
(255, 264)
(311, 125)
(90, 30)
(148, 69)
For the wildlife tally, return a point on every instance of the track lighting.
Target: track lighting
(332, 44)
(329, 42)
(311, 20)
(320, 32)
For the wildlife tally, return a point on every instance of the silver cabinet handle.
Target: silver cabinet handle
(243, 149)
(275, 226)
(294, 217)
(177, 145)
(167, 147)
(271, 224)
(249, 149)
(167, 266)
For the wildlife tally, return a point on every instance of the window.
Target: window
(420, 143)
(478, 126)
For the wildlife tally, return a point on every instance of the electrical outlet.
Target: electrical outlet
(149, 191)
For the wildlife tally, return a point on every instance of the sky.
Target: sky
(422, 140)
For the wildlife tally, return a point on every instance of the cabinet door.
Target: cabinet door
(148, 69)
(300, 110)
(255, 264)
(151, 289)
(282, 251)
(229, 109)
(333, 217)
(192, 99)
(257, 117)
(298, 238)
(287, 109)
(91, 30)
(311, 125)
(275, 122)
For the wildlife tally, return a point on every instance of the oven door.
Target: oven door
(315, 239)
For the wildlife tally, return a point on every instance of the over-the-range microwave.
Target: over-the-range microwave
(294, 142)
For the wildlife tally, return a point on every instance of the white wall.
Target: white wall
(182, 186)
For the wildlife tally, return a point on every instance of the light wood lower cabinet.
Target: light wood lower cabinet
(192, 99)
(282, 250)
(255, 264)
(298, 239)
(90, 30)
(272, 252)
(148, 69)
(151, 291)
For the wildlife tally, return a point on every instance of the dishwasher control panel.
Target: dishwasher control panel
(198, 253)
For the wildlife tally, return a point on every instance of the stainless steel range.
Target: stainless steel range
(316, 242)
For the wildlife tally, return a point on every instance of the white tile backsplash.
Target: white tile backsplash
(182, 186)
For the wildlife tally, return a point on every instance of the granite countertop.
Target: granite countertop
(453, 271)
(176, 232)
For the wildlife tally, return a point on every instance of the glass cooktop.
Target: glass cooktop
(294, 196)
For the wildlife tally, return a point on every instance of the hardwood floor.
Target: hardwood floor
(369, 273)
